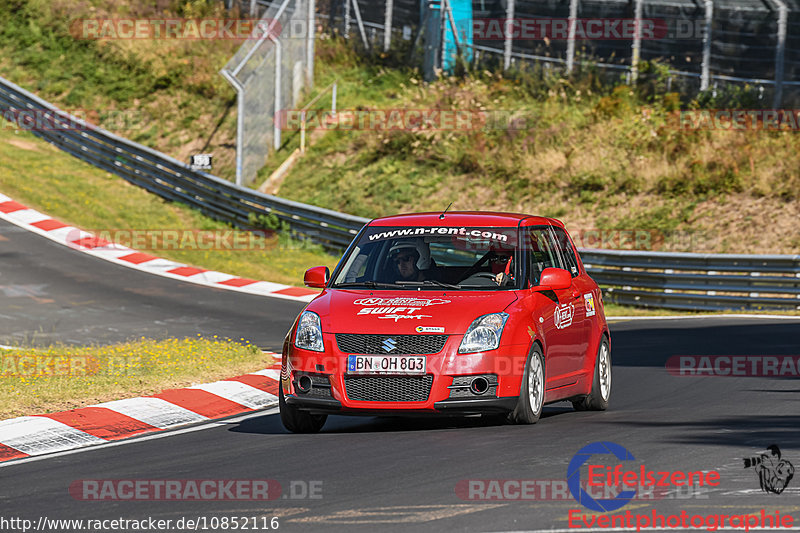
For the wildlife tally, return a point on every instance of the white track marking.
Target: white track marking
(239, 392)
(151, 436)
(36, 435)
(273, 373)
(678, 317)
(154, 411)
(159, 267)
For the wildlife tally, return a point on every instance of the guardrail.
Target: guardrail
(176, 181)
(650, 279)
(696, 281)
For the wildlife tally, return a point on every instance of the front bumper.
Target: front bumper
(447, 407)
(447, 370)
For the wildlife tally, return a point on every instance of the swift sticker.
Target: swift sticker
(398, 317)
(588, 300)
(387, 310)
(562, 316)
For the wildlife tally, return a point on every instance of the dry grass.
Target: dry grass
(58, 378)
(597, 160)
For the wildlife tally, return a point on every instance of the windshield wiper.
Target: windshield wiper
(367, 284)
(429, 282)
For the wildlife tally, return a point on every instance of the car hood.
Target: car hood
(405, 311)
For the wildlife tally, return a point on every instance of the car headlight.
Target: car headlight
(309, 332)
(484, 333)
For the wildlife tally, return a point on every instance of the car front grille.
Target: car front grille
(388, 388)
(358, 343)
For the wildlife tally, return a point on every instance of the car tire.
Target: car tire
(597, 400)
(531, 393)
(298, 421)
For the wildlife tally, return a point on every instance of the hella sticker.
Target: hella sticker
(429, 329)
(562, 316)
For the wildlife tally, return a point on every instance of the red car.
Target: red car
(457, 313)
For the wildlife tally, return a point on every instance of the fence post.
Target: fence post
(442, 36)
(311, 30)
(360, 25)
(573, 16)
(252, 8)
(432, 35)
(509, 30)
(239, 122)
(276, 129)
(636, 47)
(346, 19)
(780, 49)
(705, 73)
(387, 26)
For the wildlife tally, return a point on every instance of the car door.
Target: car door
(576, 300)
(552, 308)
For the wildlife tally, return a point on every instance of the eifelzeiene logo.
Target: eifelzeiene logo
(601, 475)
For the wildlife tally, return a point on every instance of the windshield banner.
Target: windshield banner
(506, 236)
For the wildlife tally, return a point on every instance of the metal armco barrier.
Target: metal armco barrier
(696, 281)
(176, 181)
(650, 279)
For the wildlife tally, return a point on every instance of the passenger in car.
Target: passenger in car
(501, 267)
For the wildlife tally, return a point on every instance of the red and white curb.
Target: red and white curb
(29, 436)
(77, 239)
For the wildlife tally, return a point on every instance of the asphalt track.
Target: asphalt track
(383, 473)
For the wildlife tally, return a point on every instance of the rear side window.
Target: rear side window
(541, 252)
(567, 251)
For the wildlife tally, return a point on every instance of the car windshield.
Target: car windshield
(419, 258)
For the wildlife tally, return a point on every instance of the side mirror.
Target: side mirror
(317, 277)
(555, 279)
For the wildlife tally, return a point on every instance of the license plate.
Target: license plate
(386, 364)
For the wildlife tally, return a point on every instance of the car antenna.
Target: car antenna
(441, 217)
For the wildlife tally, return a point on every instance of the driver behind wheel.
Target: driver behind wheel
(409, 259)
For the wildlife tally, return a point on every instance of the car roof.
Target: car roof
(464, 218)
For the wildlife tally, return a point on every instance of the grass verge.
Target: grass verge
(59, 378)
(46, 179)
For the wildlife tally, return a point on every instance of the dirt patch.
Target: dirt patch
(25, 145)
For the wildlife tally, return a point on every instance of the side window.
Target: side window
(567, 252)
(541, 252)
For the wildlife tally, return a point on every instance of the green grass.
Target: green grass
(172, 89)
(57, 378)
(53, 182)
